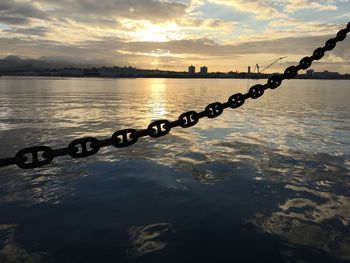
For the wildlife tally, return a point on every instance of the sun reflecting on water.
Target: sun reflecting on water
(281, 163)
(157, 103)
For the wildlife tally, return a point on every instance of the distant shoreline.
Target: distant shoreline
(172, 77)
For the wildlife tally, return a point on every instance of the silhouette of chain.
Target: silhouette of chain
(88, 146)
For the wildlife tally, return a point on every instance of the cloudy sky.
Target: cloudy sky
(222, 34)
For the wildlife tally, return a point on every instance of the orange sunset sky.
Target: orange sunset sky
(224, 35)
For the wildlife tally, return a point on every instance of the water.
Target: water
(268, 182)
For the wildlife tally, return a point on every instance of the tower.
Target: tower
(204, 70)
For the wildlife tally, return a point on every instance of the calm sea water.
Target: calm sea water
(268, 182)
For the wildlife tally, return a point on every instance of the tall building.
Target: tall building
(191, 69)
(204, 70)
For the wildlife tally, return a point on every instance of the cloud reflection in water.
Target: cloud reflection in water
(146, 239)
(290, 153)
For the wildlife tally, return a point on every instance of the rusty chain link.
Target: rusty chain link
(84, 147)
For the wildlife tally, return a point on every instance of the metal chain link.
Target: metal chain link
(84, 147)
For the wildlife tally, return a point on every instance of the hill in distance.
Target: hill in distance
(13, 63)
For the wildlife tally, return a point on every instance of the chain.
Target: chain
(84, 147)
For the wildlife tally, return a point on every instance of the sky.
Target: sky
(224, 35)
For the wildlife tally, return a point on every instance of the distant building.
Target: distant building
(70, 72)
(204, 70)
(91, 72)
(117, 71)
(309, 72)
(109, 72)
(325, 74)
(248, 69)
(191, 69)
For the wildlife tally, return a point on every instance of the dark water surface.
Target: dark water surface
(268, 182)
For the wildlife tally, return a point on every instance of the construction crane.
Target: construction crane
(257, 67)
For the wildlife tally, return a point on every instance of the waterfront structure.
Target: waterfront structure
(326, 74)
(68, 72)
(117, 71)
(322, 75)
(192, 70)
(91, 72)
(309, 72)
(109, 72)
(204, 70)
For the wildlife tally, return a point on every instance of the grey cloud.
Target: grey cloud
(33, 31)
(13, 20)
(119, 52)
(15, 12)
(153, 10)
(35, 48)
(193, 46)
(99, 53)
(210, 48)
(288, 45)
(205, 47)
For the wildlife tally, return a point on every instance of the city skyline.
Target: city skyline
(15, 66)
(221, 34)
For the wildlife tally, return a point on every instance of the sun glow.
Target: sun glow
(157, 33)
